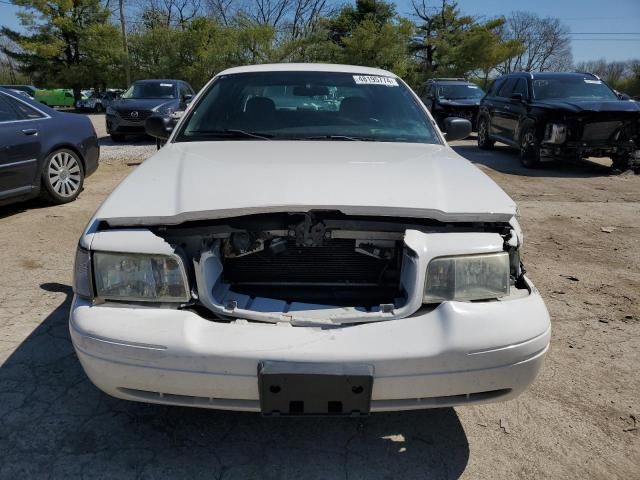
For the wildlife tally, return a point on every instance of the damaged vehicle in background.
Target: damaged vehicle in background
(334, 260)
(550, 116)
(448, 98)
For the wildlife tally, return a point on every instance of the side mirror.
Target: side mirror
(186, 99)
(517, 96)
(456, 128)
(159, 126)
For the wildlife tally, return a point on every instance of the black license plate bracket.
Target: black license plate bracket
(295, 389)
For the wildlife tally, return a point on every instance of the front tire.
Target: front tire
(529, 149)
(484, 141)
(62, 176)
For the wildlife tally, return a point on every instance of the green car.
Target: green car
(58, 97)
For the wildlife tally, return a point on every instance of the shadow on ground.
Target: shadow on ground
(22, 206)
(56, 423)
(505, 159)
(142, 139)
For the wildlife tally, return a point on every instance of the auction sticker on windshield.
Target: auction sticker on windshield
(375, 80)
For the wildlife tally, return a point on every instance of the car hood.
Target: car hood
(141, 103)
(206, 180)
(584, 106)
(466, 102)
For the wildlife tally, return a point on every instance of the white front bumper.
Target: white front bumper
(454, 354)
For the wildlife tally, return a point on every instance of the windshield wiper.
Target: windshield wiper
(339, 137)
(232, 133)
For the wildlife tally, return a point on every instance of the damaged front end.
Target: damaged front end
(324, 267)
(594, 134)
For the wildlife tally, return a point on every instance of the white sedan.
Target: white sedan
(290, 260)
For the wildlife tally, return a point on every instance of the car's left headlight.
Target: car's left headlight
(467, 277)
(140, 277)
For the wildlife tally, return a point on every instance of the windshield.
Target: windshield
(151, 90)
(308, 105)
(459, 92)
(572, 87)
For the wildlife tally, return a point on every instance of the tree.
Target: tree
(623, 76)
(68, 43)
(476, 48)
(434, 23)
(369, 34)
(452, 44)
(125, 43)
(546, 44)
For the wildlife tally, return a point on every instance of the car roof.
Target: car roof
(448, 80)
(542, 75)
(159, 80)
(307, 67)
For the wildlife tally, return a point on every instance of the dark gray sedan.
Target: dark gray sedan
(42, 151)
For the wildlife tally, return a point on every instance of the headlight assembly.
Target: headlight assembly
(140, 277)
(467, 277)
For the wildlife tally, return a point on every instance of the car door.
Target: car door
(515, 108)
(502, 110)
(20, 146)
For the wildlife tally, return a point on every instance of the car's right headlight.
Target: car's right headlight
(111, 111)
(467, 277)
(140, 277)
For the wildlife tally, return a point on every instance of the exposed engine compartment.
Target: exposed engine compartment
(283, 264)
(594, 134)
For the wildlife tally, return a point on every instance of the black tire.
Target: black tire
(117, 138)
(621, 162)
(529, 148)
(484, 141)
(62, 176)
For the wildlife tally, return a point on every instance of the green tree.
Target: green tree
(369, 34)
(478, 47)
(68, 43)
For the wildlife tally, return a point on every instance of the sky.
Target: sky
(607, 29)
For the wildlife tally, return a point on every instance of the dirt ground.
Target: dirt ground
(577, 421)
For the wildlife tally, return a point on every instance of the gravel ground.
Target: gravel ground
(576, 421)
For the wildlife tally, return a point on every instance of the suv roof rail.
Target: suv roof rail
(590, 73)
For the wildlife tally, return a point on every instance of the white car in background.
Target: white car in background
(334, 260)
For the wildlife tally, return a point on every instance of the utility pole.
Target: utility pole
(125, 44)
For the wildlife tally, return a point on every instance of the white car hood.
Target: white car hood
(206, 180)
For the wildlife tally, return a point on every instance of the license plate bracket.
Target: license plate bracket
(297, 389)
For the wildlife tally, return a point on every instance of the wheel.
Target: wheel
(62, 176)
(529, 149)
(484, 142)
(98, 108)
(621, 162)
(117, 138)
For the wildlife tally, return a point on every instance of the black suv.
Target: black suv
(560, 115)
(144, 98)
(452, 97)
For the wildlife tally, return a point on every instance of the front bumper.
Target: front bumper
(120, 126)
(457, 353)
